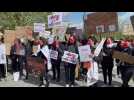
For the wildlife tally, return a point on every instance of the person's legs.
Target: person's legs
(46, 76)
(21, 62)
(118, 70)
(58, 71)
(3, 71)
(110, 69)
(127, 76)
(67, 74)
(54, 70)
(104, 68)
(0, 71)
(72, 74)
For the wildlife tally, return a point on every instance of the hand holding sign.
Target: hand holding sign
(70, 57)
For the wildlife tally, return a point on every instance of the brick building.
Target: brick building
(101, 22)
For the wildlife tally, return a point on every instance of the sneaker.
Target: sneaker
(67, 85)
(72, 86)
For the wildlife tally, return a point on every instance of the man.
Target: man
(127, 70)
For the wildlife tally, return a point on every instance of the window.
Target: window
(100, 28)
(112, 28)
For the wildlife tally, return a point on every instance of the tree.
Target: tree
(8, 20)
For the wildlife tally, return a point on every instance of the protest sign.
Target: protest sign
(53, 54)
(39, 27)
(70, 57)
(99, 47)
(60, 32)
(84, 52)
(9, 38)
(2, 54)
(35, 66)
(54, 19)
(123, 57)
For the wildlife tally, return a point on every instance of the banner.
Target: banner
(123, 57)
(53, 54)
(60, 32)
(99, 47)
(70, 57)
(39, 27)
(35, 66)
(84, 52)
(54, 19)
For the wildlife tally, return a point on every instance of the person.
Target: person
(50, 39)
(44, 53)
(15, 53)
(69, 67)
(93, 71)
(56, 61)
(2, 58)
(22, 57)
(107, 61)
(127, 70)
(118, 62)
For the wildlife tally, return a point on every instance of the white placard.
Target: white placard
(39, 27)
(2, 54)
(99, 47)
(84, 52)
(54, 19)
(53, 54)
(70, 57)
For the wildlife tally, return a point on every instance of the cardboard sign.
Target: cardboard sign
(53, 54)
(123, 57)
(9, 38)
(35, 66)
(39, 27)
(99, 47)
(54, 19)
(70, 57)
(84, 52)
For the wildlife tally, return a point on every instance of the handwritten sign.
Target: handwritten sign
(35, 66)
(54, 19)
(84, 52)
(123, 57)
(39, 27)
(53, 54)
(70, 57)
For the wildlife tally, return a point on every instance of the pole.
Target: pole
(84, 22)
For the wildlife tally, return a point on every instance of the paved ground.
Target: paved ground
(32, 83)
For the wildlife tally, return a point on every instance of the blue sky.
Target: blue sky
(77, 17)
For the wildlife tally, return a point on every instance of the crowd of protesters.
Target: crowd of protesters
(21, 49)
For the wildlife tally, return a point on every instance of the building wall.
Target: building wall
(101, 18)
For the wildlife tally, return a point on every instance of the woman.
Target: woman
(2, 58)
(118, 62)
(69, 67)
(17, 50)
(44, 53)
(107, 60)
(56, 61)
